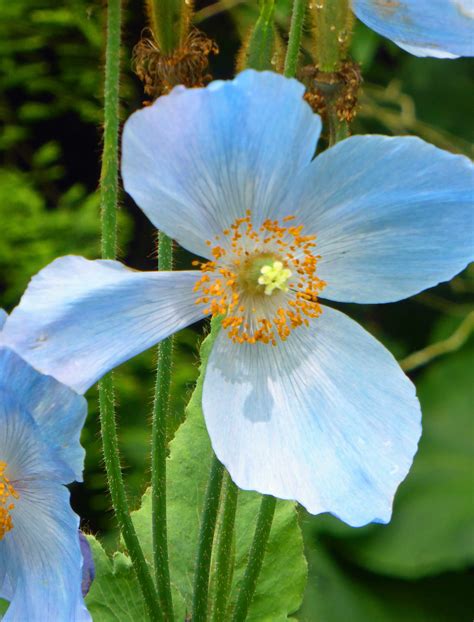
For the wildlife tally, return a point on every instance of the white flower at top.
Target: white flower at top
(299, 400)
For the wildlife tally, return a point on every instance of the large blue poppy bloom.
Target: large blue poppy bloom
(40, 555)
(439, 28)
(325, 415)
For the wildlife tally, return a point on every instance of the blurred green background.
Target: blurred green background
(418, 567)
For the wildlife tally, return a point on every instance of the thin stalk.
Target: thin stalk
(294, 40)
(119, 498)
(158, 453)
(338, 130)
(206, 537)
(223, 550)
(256, 555)
(109, 170)
(332, 28)
(108, 199)
(332, 21)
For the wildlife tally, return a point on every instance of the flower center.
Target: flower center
(7, 493)
(274, 276)
(262, 280)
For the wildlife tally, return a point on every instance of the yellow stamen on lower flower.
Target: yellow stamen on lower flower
(262, 280)
(7, 493)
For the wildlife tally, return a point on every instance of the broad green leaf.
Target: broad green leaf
(282, 580)
(261, 46)
(431, 529)
(115, 595)
(339, 592)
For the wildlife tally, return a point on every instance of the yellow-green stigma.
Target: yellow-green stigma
(274, 276)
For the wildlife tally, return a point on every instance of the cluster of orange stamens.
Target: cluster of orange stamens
(7, 493)
(229, 286)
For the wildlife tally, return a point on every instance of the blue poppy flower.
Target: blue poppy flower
(40, 555)
(438, 28)
(299, 400)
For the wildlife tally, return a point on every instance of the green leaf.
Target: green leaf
(431, 529)
(338, 591)
(261, 46)
(283, 576)
(115, 595)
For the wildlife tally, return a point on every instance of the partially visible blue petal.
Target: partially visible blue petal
(197, 159)
(59, 412)
(43, 557)
(439, 28)
(3, 317)
(392, 216)
(23, 447)
(88, 566)
(326, 418)
(40, 555)
(78, 318)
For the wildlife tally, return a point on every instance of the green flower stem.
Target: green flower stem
(206, 537)
(109, 170)
(257, 552)
(109, 196)
(338, 130)
(294, 40)
(332, 21)
(158, 452)
(223, 550)
(119, 498)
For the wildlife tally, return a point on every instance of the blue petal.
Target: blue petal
(78, 319)
(392, 216)
(88, 566)
(3, 317)
(23, 447)
(43, 557)
(197, 159)
(326, 418)
(439, 28)
(59, 412)
(40, 556)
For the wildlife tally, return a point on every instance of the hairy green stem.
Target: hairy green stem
(332, 21)
(109, 170)
(294, 40)
(223, 550)
(255, 561)
(158, 452)
(338, 130)
(119, 498)
(332, 28)
(108, 201)
(206, 537)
